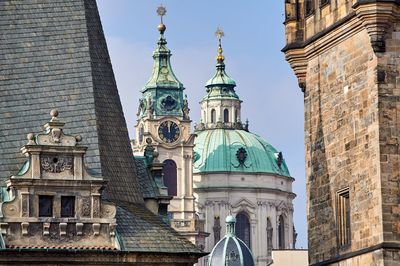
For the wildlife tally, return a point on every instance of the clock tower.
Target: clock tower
(163, 122)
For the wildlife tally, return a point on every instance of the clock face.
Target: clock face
(169, 131)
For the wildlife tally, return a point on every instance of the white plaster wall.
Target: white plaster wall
(182, 206)
(260, 196)
(219, 106)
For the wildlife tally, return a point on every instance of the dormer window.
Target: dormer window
(45, 206)
(67, 206)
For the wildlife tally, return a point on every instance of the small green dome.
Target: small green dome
(230, 219)
(228, 150)
(230, 251)
(221, 78)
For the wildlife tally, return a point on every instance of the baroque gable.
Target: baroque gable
(53, 200)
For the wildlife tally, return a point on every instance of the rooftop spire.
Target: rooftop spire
(220, 78)
(219, 34)
(163, 79)
(161, 11)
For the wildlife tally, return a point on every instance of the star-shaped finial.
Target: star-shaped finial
(161, 11)
(219, 33)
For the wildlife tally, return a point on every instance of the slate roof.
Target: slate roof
(141, 230)
(147, 185)
(53, 54)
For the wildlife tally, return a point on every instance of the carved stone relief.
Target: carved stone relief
(25, 205)
(96, 206)
(56, 163)
(108, 211)
(86, 210)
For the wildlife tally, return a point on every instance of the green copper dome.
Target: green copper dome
(221, 78)
(228, 150)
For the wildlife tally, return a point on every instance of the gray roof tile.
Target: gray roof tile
(53, 54)
(147, 185)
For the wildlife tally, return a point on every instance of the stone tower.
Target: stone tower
(346, 56)
(164, 122)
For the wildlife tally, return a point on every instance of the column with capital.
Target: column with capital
(274, 222)
(261, 230)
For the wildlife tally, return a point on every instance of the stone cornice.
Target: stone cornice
(101, 257)
(376, 17)
(258, 189)
(362, 2)
(298, 45)
(288, 178)
(371, 249)
(298, 54)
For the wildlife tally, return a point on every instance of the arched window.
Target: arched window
(141, 134)
(242, 228)
(270, 232)
(213, 116)
(281, 233)
(291, 9)
(324, 2)
(170, 177)
(226, 115)
(236, 116)
(309, 7)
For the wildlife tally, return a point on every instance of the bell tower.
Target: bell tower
(163, 121)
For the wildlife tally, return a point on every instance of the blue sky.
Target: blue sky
(254, 36)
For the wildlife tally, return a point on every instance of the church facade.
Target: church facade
(345, 55)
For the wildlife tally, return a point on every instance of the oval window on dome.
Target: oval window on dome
(241, 155)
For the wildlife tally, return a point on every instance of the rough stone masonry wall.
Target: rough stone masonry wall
(389, 137)
(342, 145)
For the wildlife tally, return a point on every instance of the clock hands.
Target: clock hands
(168, 131)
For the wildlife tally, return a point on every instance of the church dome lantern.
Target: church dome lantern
(221, 105)
(220, 78)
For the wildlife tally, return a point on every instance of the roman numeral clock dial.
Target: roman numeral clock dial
(169, 131)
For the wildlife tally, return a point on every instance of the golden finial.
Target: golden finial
(161, 11)
(219, 34)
